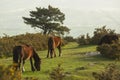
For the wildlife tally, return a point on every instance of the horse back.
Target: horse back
(54, 42)
(27, 51)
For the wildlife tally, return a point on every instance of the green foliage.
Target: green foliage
(69, 39)
(57, 73)
(99, 32)
(64, 42)
(62, 30)
(82, 40)
(111, 72)
(9, 73)
(38, 41)
(72, 59)
(110, 50)
(48, 19)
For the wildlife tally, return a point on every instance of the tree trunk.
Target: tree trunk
(45, 31)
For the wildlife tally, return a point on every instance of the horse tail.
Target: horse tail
(16, 53)
(50, 43)
(61, 42)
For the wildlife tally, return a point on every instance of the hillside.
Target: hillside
(76, 63)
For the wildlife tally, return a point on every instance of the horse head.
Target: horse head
(37, 61)
(37, 65)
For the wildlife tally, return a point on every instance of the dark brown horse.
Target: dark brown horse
(25, 52)
(54, 42)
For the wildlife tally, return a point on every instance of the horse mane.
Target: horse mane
(35, 56)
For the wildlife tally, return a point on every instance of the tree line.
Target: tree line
(38, 41)
(97, 35)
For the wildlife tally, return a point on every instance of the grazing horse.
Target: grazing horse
(109, 39)
(25, 52)
(54, 42)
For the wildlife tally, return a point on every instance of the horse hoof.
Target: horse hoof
(22, 71)
(33, 70)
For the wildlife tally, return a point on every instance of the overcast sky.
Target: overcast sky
(82, 16)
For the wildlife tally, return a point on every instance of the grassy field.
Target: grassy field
(73, 61)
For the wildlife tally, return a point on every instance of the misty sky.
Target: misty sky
(82, 16)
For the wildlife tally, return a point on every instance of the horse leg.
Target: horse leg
(22, 65)
(54, 52)
(19, 64)
(23, 69)
(51, 53)
(48, 53)
(32, 67)
(59, 49)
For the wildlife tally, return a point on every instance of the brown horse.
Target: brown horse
(54, 42)
(25, 52)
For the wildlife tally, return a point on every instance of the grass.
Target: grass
(73, 60)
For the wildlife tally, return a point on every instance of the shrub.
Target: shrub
(38, 41)
(110, 50)
(9, 73)
(99, 32)
(84, 39)
(69, 39)
(111, 73)
(57, 73)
